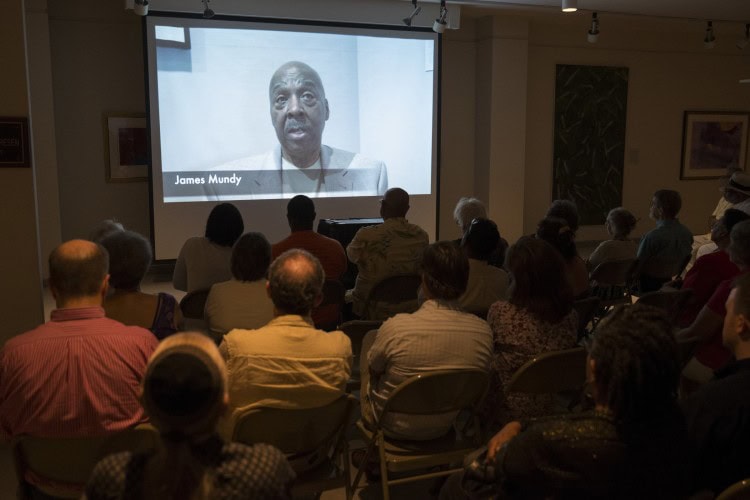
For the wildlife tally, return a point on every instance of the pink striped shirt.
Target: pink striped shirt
(76, 375)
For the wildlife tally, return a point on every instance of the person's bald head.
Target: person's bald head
(395, 203)
(295, 282)
(78, 269)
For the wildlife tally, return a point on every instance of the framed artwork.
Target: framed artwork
(14, 142)
(712, 141)
(126, 148)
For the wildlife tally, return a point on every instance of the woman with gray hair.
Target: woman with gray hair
(467, 209)
(185, 394)
(129, 260)
(620, 223)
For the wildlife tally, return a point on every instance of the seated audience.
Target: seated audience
(79, 373)
(557, 233)
(468, 209)
(204, 261)
(711, 269)
(565, 210)
(438, 336)
(103, 229)
(667, 246)
(620, 223)
(288, 363)
(710, 354)
(702, 243)
(388, 249)
(718, 415)
(184, 394)
(487, 284)
(300, 213)
(129, 259)
(243, 301)
(737, 191)
(632, 445)
(538, 317)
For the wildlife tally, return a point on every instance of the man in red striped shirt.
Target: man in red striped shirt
(78, 374)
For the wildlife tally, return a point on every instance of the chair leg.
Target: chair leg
(383, 467)
(361, 469)
(347, 472)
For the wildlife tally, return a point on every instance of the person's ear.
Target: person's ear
(105, 286)
(328, 111)
(743, 327)
(318, 300)
(268, 288)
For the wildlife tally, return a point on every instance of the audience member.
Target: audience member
(388, 249)
(665, 247)
(538, 317)
(467, 209)
(711, 269)
(710, 354)
(620, 223)
(288, 363)
(204, 261)
(561, 236)
(129, 259)
(632, 445)
(243, 301)
(718, 415)
(78, 374)
(487, 284)
(184, 394)
(702, 243)
(300, 212)
(737, 191)
(438, 336)
(565, 210)
(103, 229)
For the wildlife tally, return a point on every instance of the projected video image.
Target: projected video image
(261, 114)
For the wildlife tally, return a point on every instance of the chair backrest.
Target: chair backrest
(296, 432)
(738, 491)
(586, 309)
(63, 465)
(613, 272)
(439, 392)
(671, 301)
(395, 291)
(193, 304)
(333, 298)
(551, 373)
(662, 267)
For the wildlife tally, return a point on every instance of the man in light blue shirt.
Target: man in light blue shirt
(664, 250)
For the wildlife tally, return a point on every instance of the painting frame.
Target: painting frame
(712, 141)
(125, 147)
(15, 151)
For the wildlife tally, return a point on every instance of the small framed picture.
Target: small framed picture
(14, 142)
(126, 148)
(713, 141)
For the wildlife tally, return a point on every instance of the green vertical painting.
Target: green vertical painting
(589, 155)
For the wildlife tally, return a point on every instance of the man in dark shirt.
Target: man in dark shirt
(718, 416)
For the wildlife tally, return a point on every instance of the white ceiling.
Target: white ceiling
(717, 10)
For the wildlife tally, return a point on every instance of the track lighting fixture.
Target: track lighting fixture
(140, 7)
(593, 34)
(709, 41)
(207, 13)
(441, 22)
(569, 5)
(742, 43)
(417, 9)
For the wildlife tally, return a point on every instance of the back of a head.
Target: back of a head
(559, 234)
(129, 258)
(669, 201)
(295, 282)
(621, 221)
(77, 269)
(445, 270)
(224, 225)
(300, 211)
(468, 209)
(637, 367)
(538, 281)
(251, 257)
(732, 217)
(739, 246)
(185, 386)
(481, 239)
(104, 229)
(395, 203)
(566, 210)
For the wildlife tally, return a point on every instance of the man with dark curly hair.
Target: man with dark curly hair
(438, 336)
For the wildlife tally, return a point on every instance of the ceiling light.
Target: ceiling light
(140, 7)
(207, 13)
(709, 41)
(569, 5)
(417, 9)
(441, 22)
(593, 34)
(742, 43)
